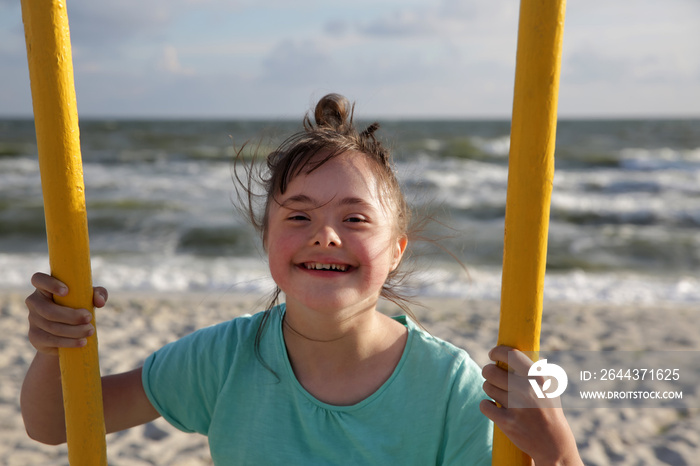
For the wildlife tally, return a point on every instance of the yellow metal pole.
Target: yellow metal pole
(58, 141)
(530, 174)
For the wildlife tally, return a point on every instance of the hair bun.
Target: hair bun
(334, 111)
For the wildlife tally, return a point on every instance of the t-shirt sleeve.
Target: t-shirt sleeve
(468, 433)
(183, 379)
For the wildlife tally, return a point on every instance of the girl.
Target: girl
(322, 378)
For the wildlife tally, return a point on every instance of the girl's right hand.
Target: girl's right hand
(52, 326)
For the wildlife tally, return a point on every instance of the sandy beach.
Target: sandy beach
(133, 325)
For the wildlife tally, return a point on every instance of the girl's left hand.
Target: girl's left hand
(537, 426)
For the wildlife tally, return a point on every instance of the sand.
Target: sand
(133, 325)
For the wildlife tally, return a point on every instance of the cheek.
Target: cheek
(277, 253)
(379, 253)
(279, 270)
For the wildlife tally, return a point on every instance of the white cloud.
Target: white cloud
(116, 24)
(170, 62)
(294, 63)
(403, 23)
(452, 57)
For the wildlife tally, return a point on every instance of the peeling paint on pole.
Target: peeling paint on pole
(58, 141)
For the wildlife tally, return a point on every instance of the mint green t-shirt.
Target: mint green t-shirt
(212, 382)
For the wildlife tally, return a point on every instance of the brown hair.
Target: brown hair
(331, 134)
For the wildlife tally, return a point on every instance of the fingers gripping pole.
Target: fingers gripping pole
(530, 174)
(58, 141)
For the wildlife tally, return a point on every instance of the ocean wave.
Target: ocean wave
(194, 274)
(625, 193)
(660, 159)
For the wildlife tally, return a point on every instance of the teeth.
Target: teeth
(320, 266)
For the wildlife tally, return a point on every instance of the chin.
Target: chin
(335, 304)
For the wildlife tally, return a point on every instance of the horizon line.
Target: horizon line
(395, 118)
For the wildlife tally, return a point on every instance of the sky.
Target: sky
(394, 58)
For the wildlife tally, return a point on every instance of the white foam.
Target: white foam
(496, 146)
(574, 286)
(189, 273)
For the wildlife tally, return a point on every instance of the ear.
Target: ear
(400, 248)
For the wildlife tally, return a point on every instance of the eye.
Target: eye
(296, 217)
(356, 219)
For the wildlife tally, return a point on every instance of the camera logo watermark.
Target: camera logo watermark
(552, 372)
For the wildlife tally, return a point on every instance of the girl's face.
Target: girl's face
(331, 242)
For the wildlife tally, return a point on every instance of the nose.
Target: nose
(326, 236)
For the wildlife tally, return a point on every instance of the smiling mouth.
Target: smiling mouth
(320, 266)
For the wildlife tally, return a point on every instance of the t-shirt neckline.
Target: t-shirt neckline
(279, 312)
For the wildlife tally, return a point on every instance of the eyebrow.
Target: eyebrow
(304, 199)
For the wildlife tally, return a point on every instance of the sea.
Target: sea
(624, 224)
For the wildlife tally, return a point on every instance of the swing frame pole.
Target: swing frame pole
(50, 63)
(530, 177)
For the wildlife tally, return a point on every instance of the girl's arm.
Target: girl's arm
(51, 327)
(541, 429)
